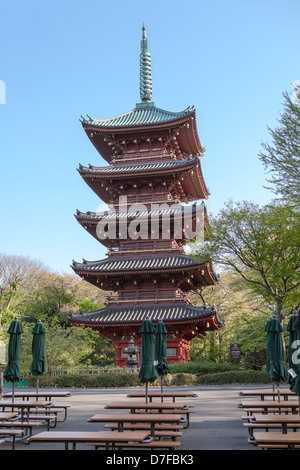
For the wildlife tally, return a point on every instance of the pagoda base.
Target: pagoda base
(183, 323)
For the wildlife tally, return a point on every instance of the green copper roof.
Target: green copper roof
(142, 114)
(137, 314)
(146, 112)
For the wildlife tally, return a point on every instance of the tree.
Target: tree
(56, 295)
(19, 276)
(282, 157)
(240, 308)
(65, 347)
(261, 245)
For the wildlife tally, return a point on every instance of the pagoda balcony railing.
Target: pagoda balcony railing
(148, 298)
(142, 157)
(147, 200)
(113, 251)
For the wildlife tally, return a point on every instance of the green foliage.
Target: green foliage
(102, 354)
(87, 305)
(64, 346)
(105, 380)
(250, 330)
(132, 380)
(199, 368)
(29, 290)
(281, 158)
(262, 246)
(108, 380)
(235, 377)
(254, 359)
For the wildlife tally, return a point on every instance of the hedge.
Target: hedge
(132, 380)
(238, 377)
(194, 367)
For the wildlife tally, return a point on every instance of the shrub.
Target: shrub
(231, 377)
(107, 380)
(201, 368)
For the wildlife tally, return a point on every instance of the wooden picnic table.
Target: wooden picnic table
(166, 394)
(47, 394)
(109, 438)
(24, 405)
(285, 393)
(13, 433)
(290, 439)
(122, 418)
(284, 420)
(271, 405)
(135, 406)
(5, 415)
(139, 405)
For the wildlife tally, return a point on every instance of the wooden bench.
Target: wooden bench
(270, 426)
(42, 417)
(267, 426)
(59, 407)
(172, 427)
(275, 446)
(147, 421)
(26, 425)
(101, 438)
(13, 433)
(159, 394)
(56, 409)
(290, 440)
(150, 445)
(177, 411)
(249, 411)
(157, 433)
(271, 406)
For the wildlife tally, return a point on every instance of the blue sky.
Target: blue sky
(61, 59)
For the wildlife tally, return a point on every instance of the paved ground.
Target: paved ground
(215, 425)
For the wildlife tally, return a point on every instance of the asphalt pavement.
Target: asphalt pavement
(215, 425)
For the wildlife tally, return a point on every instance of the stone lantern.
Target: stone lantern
(132, 352)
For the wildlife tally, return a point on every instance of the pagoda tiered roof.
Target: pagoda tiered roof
(142, 265)
(129, 314)
(137, 169)
(174, 210)
(192, 181)
(144, 117)
(113, 265)
(144, 114)
(161, 211)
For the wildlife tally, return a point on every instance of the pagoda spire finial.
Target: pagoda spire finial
(145, 69)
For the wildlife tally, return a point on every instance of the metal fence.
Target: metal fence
(87, 370)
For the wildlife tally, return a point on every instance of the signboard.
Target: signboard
(235, 351)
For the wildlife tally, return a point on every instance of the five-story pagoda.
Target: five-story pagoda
(154, 167)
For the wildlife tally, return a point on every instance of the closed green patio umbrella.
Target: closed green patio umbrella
(275, 366)
(12, 371)
(148, 372)
(294, 342)
(38, 349)
(161, 351)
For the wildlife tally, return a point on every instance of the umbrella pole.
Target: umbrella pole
(37, 387)
(273, 387)
(13, 391)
